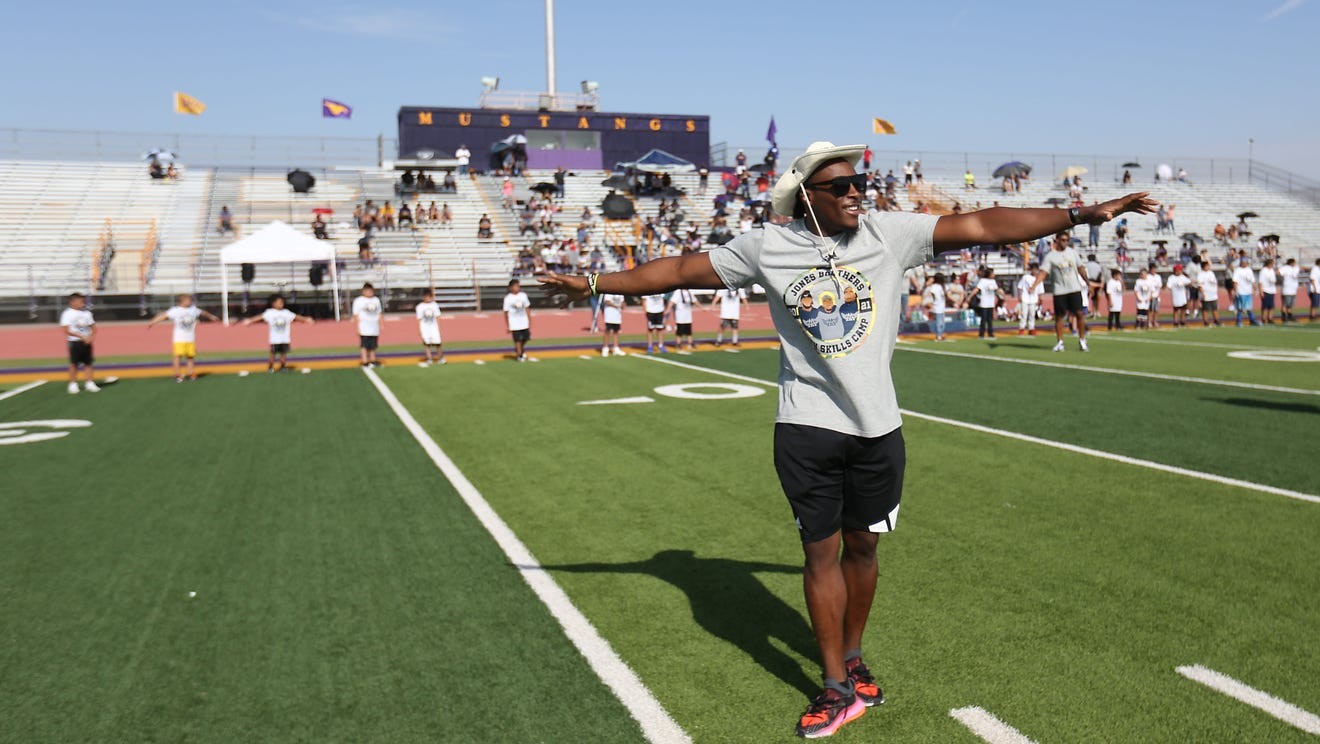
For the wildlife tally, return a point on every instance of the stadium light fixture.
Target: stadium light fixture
(490, 83)
(590, 86)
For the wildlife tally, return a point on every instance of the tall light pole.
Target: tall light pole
(1251, 148)
(550, 48)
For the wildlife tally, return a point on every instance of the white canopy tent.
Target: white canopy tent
(277, 243)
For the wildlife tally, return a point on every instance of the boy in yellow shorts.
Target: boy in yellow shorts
(184, 316)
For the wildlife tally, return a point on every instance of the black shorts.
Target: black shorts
(369, 342)
(684, 329)
(523, 336)
(1068, 303)
(80, 353)
(1143, 312)
(1193, 294)
(613, 327)
(728, 323)
(279, 348)
(655, 321)
(1210, 304)
(839, 481)
(1266, 301)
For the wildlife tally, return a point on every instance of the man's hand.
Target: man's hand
(1138, 203)
(573, 288)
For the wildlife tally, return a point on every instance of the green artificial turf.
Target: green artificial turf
(1057, 590)
(344, 592)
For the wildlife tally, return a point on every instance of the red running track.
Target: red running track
(122, 338)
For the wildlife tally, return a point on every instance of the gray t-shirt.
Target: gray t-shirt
(1062, 267)
(832, 373)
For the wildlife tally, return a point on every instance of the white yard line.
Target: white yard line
(1108, 371)
(655, 722)
(1171, 342)
(1280, 709)
(1200, 475)
(984, 724)
(21, 389)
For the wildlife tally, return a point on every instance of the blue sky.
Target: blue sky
(1158, 78)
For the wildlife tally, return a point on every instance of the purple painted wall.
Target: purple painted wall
(567, 159)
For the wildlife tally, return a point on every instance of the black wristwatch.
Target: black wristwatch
(1075, 215)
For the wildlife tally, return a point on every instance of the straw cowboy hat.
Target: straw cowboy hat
(816, 155)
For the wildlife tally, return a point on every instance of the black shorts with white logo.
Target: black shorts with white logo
(369, 342)
(655, 321)
(1068, 303)
(523, 336)
(839, 481)
(80, 353)
(684, 329)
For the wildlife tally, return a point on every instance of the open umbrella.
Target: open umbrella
(1248, 215)
(1073, 170)
(671, 192)
(1160, 243)
(1055, 201)
(761, 168)
(617, 207)
(545, 187)
(160, 155)
(1131, 164)
(1191, 237)
(1164, 171)
(618, 182)
(1271, 238)
(1014, 168)
(300, 180)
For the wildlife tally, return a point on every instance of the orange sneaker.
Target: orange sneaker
(864, 685)
(830, 710)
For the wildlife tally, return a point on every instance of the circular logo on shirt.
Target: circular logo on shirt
(834, 308)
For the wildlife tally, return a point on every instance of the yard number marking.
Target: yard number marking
(16, 432)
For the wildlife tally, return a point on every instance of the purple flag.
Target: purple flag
(771, 132)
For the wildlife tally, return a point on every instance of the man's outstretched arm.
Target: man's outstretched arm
(693, 271)
(999, 225)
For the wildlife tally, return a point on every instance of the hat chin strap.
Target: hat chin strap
(819, 231)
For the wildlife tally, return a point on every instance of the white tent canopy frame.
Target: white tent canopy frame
(277, 243)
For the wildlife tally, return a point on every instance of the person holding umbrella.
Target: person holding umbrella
(839, 448)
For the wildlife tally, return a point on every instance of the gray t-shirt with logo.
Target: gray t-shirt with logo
(1062, 267)
(838, 327)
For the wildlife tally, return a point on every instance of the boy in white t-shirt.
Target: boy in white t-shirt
(1314, 288)
(184, 316)
(681, 303)
(1208, 284)
(280, 320)
(1178, 285)
(731, 302)
(518, 319)
(1244, 292)
(654, 307)
(1289, 283)
(1156, 284)
(428, 323)
(1143, 290)
(1269, 290)
(1028, 301)
(611, 307)
(79, 328)
(935, 300)
(1114, 295)
(367, 310)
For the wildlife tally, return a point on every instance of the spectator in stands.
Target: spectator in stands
(364, 251)
(226, 220)
(1127, 178)
(866, 158)
(319, 228)
(426, 183)
(560, 175)
(433, 214)
(506, 192)
(916, 171)
(1168, 217)
(1182, 175)
(419, 213)
(483, 226)
(171, 172)
(703, 178)
(1221, 233)
(969, 180)
(357, 216)
(740, 159)
(463, 156)
(450, 185)
(1233, 234)
(386, 216)
(407, 181)
(154, 169)
(405, 215)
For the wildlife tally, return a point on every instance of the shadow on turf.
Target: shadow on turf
(730, 603)
(1012, 345)
(1267, 404)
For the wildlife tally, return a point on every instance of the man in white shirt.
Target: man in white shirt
(367, 311)
(463, 156)
(934, 299)
(1178, 284)
(654, 307)
(1156, 284)
(1269, 290)
(1114, 295)
(1315, 288)
(428, 324)
(731, 302)
(1289, 283)
(518, 319)
(612, 310)
(1244, 291)
(1208, 283)
(79, 328)
(184, 316)
(987, 298)
(1028, 296)
(1143, 291)
(1064, 268)
(681, 303)
(280, 320)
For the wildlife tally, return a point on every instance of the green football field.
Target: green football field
(278, 558)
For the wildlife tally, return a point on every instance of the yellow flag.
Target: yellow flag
(186, 104)
(880, 126)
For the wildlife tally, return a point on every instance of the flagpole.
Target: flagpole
(550, 49)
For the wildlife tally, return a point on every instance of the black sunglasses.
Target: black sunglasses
(842, 184)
